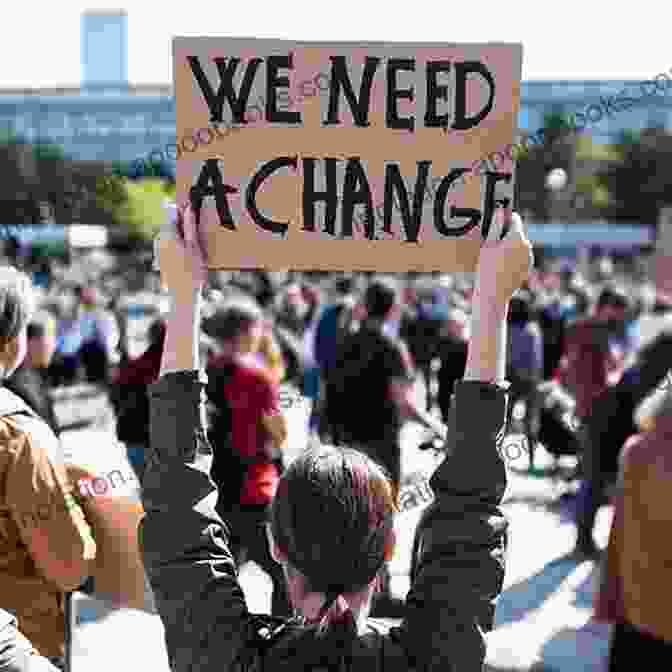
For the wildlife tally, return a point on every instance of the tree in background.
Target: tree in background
(19, 199)
(143, 212)
(591, 199)
(553, 146)
(640, 182)
(41, 183)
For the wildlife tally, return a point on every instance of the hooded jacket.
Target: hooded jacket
(459, 566)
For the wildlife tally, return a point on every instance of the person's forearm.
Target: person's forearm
(486, 359)
(181, 349)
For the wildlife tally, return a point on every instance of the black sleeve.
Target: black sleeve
(184, 545)
(461, 539)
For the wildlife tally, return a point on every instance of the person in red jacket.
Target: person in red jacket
(247, 434)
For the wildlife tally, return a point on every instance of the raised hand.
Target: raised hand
(180, 251)
(504, 265)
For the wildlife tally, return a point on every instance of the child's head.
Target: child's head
(16, 308)
(332, 528)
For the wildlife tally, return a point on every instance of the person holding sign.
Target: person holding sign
(397, 166)
(332, 519)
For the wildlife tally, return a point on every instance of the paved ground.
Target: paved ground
(543, 619)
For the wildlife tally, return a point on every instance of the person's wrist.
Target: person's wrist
(490, 299)
(185, 294)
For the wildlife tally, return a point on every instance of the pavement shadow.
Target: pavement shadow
(531, 593)
(586, 590)
(584, 649)
(564, 506)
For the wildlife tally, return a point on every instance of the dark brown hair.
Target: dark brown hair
(332, 516)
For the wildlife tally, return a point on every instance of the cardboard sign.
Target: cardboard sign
(344, 156)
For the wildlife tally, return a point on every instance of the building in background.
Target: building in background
(609, 106)
(107, 119)
(104, 48)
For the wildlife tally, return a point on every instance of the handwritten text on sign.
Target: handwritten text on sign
(291, 190)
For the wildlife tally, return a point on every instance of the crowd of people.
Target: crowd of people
(586, 347)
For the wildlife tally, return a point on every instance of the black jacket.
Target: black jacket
(459, 570)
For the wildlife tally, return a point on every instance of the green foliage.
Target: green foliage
(35, 176)
(143, 212)
(552, 146)
(640, 182)
(587, 150)
(52, 153)
(593, 192)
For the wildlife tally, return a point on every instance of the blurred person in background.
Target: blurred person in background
(296, 307)
(65, 365)
(46, 546)
(553, 312)
(100, 335)
(453, 355)
(334, 322)
(422, 322)
(296, 310)
(247, 433)
(525, 366)
(595, 350)
(30, 381)
(129, 397)
(634, 587)
(370, 391)
(594, 362)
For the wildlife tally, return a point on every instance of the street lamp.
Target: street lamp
(556, 181)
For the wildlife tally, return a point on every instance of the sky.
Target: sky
(572, 39)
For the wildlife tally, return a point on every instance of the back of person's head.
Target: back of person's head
(231, 318)
(352, 501)
(345, 285)
(380, 297)
(16, 308)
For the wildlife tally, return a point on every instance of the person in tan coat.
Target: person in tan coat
(46, 546)
(635, 591)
